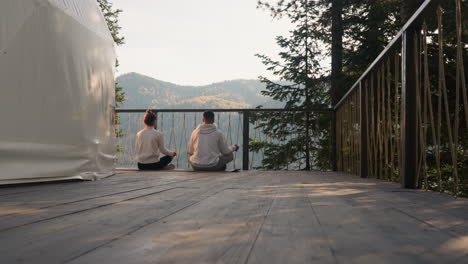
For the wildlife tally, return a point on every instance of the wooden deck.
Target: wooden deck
(247, 217)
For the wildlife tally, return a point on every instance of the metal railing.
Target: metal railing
(403, 120)
(245, 127)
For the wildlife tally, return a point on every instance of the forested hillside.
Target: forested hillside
(145, 92)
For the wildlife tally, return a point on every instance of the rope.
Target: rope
(443, 87)
(345, 121)
(290, 139)
(356, 136)
(162, 122)
(338, 140)
(340, 128)
(352, 138)
(351, 126)
(389, 122)
(262, 149)
(397, 108)
(352, 133)
(301, 145)
(439, 103)
(239, 123)
(424, 117)
(460, 65)
(348, 140)
(374, 139)
(418, 108)
(172, 134)
(252, 159)
(132, 157)
(219, 120)
(183, 137)
(229, 133)
(369, 152)
(458, 82)
(384, 123)
(428, 94)
(379, 123)
(347, 136)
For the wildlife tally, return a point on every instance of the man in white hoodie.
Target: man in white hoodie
(207, 149)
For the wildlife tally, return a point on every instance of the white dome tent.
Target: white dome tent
(56, 91)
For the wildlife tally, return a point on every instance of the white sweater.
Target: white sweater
(206, 145)
(149, 144)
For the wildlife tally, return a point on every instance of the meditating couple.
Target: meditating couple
(207, 149)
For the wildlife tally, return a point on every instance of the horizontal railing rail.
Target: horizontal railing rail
(317, 110)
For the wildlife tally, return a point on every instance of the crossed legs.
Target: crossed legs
(221, 166)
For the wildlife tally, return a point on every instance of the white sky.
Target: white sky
(196, 41)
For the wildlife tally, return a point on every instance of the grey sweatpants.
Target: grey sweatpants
(223, 161)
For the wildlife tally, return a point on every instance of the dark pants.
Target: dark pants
(163, 162)
(221, 166)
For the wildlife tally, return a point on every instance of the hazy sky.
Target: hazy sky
(196, 41)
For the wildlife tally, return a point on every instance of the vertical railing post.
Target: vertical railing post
(408, 111)
(245, 140)
(363, 166)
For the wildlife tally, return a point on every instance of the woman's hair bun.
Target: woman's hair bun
(149, 117)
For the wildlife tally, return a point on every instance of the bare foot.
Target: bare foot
(169, 167)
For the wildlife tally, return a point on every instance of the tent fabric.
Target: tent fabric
(57, 64)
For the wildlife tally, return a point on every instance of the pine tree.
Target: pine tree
(111, 16)
(352, 32)
(367, 27)
(297, 138)
(408, 7)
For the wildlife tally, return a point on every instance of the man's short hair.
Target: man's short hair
(209, 116)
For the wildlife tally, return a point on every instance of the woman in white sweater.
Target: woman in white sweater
(149, 145)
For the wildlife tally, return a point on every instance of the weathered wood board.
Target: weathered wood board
(247, 217)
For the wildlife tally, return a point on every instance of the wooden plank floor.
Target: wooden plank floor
(247, 217)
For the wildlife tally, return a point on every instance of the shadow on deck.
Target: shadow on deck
(247, 217)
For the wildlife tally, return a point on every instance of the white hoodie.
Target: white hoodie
(149, 144)
(206, 145)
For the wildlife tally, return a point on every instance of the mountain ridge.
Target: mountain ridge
(143, 91)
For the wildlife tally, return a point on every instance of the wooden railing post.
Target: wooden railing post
(363, 166)
(245, 141)
(408, 110)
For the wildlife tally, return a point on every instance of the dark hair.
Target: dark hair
(149, 118)
(209, 116)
